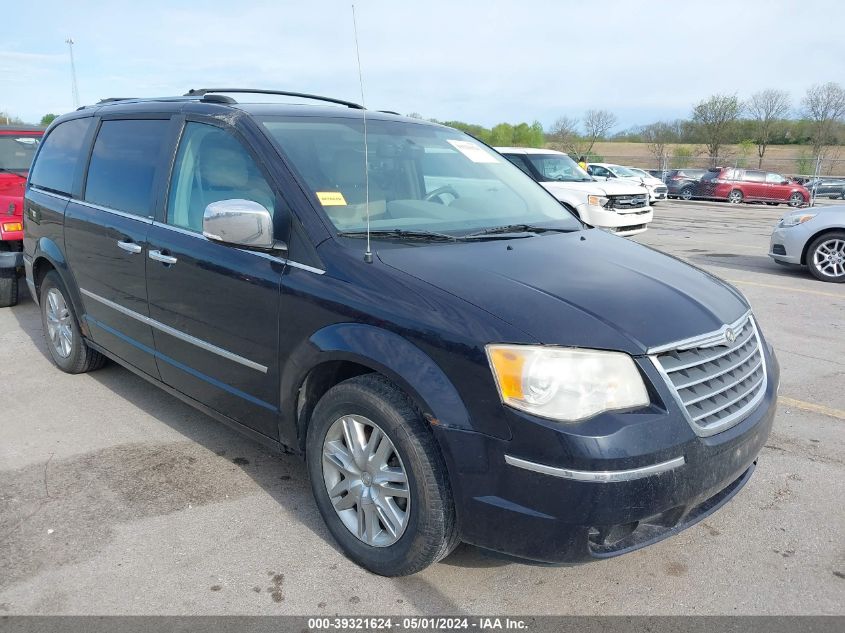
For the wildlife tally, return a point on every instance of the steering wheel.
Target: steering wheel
(434, 196)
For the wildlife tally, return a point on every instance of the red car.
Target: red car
(751, 185)
(17, 149)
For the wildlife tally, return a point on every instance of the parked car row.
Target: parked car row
(455, 355)
(657, 190)
(620, 206)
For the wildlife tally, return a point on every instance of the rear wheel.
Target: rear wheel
(8, 288)
(65, 344)
(796, 199)
(826, 257)
(378, 478)
(735, 196)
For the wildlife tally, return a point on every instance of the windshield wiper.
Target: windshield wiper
(515, 228)
(405, 234)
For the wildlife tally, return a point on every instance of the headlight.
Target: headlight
(597, 201)
(797, 218)
(566, 384)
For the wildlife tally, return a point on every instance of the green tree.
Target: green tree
(715, 117)
(47, 119)
(502, 134)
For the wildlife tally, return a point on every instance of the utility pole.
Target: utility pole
(69, 41)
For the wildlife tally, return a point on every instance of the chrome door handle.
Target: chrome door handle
(160, 257)
(129, 247)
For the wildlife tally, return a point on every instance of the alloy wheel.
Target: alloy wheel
(829, 258)
(366, 480)
(59, 326)
(796, 200)
(686, 193)
(735, 196)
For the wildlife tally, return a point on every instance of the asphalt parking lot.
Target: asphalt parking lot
(116, 498)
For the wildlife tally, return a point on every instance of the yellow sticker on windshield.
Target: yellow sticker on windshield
(331, 198)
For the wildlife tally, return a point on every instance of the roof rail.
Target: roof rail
(202, 92)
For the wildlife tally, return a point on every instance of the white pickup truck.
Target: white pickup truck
(621, 207)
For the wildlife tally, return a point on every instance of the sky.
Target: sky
(482, 62)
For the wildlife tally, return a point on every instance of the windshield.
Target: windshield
(421, 177)
(624, 172)
(558, 167)
(17, 151)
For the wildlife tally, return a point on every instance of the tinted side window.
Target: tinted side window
(212, 165)
(123, 165)
(55, 167)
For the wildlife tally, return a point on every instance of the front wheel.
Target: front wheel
(735, 196)
(65, 344)
(378, 478)
(686, 193)
(8, 288)
(796, 200)
(826, 257)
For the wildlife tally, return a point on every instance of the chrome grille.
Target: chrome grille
(715, 381)
(627, 202)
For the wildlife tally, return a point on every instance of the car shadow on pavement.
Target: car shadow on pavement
(748, 263)
(283, 476)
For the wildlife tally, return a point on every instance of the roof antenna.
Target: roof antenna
(368, 254)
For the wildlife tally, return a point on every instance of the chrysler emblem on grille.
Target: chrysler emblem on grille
(730, 335)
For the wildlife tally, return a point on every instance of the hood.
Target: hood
(596, 187)
(581, 289)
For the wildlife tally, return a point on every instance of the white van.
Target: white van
(620, 207)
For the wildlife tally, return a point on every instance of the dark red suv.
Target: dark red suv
(17, 149)
(751, 185)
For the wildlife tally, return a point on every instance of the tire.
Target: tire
(795, 200)
(65, 344)
(8, 288)
(687, 193)
(735, 196)
(826, 257)
(428, 530)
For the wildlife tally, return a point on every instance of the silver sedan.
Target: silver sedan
(814, 237)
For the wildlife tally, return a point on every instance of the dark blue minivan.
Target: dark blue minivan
(454, 353)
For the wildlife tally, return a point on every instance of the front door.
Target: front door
(215, 307)
(106, 236)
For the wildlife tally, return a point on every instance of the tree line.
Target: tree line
(768, 117)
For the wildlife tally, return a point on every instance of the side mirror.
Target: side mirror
(239, 222)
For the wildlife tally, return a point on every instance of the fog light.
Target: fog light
(13, 226)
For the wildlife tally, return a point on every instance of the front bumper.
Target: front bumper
(787, 244)
(657, 193)
(10, 261)
(622, 223)
(563, 516)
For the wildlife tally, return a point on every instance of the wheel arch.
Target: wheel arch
(341, 351)
(48, 256)
(815, 236)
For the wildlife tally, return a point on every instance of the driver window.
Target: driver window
(212, 165)
(774, 179)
